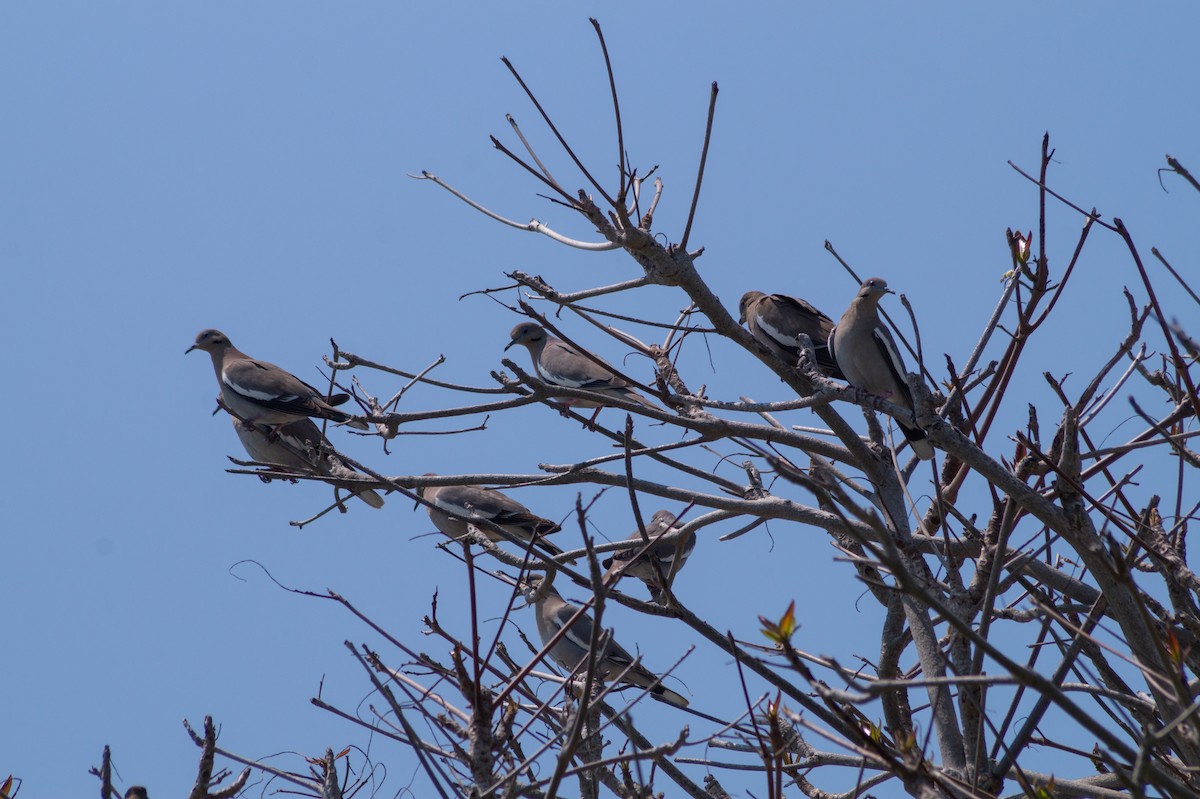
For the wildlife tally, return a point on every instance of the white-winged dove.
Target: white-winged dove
(455, 507)
(776, 319)
(867, 355)
(299, 446)
(554, 613)
(560, 364)
(258, 391)
(653, 560)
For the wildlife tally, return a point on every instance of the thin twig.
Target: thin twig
(712, 110)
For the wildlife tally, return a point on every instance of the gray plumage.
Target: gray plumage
(560, 364)
(454, 507)
(867, 355)
(258, 391)
(554, 613)
(776, 319)
(136, 792)
(299, 446)
(654, 560)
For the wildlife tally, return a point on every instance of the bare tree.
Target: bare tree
(1023, 586)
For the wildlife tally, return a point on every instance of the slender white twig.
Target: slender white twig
(564, 299)
(517, 129)
(533, 225)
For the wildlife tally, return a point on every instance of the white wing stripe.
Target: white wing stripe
(576, 640)
(559, 380)
(775, 334)
(261, 396)
(465, 511)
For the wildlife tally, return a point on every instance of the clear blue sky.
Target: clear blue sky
(167, 167)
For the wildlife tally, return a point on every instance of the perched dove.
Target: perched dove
(258, 391)
(299, 446)
(651, 561)
(776, 319)
(454, 507)
(554, 613)
(867, 355)
(560, 364)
